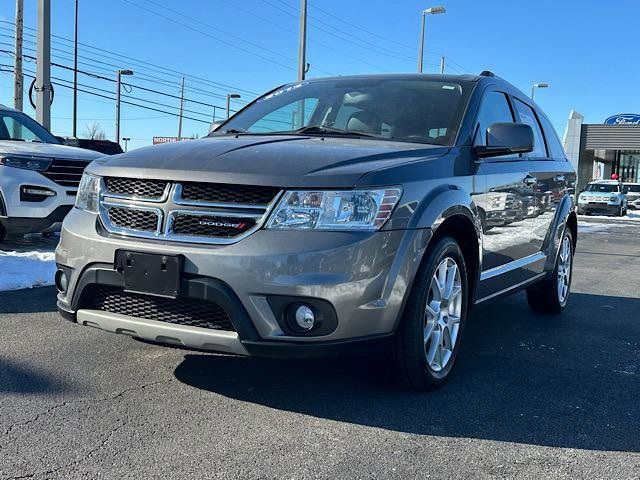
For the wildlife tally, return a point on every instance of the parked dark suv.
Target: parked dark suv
(328, 214)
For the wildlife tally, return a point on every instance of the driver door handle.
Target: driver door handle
(529, 180)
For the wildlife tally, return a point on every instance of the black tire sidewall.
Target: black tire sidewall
(413, 322)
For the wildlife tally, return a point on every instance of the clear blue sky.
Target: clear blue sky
(587, 50)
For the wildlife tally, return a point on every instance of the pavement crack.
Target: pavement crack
(51, 409)
(75, 462)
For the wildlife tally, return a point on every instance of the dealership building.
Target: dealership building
(597, 151)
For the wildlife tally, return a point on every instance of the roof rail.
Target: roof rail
(487, 73)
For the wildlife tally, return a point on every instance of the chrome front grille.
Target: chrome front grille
(149, 190)
(133, 219)
(184, 212)
(207, 224)
(223, 194)
(66, 172)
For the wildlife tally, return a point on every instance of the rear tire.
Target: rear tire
(429, 336)
(551, 295)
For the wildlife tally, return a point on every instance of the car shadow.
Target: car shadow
(20, 379)
(562, 381)
(39, 299)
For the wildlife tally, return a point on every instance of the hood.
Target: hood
(599, 194)
(281, 161)
(46, 150)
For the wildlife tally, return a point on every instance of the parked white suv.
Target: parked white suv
(39, 177)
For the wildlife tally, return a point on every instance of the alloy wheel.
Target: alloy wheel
(564, 270)
(442, 314)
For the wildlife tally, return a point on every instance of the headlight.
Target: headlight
(27, 163)
(334, 210)
(88, 193)
(614, 199)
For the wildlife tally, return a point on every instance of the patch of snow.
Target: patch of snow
(26, 269)
(633, 215)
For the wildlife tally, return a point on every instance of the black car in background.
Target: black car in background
(106, 147)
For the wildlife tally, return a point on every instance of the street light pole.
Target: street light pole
(538, 85)
(428, 11)
(229, 97)
(126, 142)
(119, 74)
(75, 76)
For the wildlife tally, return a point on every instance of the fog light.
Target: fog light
(61, 281)
(305, 318)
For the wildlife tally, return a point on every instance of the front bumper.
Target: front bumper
(364, 276)
(599, 207)
(20, 217)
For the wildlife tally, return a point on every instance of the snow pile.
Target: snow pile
(26, 269)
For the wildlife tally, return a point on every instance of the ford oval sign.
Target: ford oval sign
(623, 119)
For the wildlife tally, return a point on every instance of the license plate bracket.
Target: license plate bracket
(150, 273)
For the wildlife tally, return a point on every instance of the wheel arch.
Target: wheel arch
(462, 228)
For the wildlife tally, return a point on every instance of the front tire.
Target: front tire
(429, 336)
(552, 294)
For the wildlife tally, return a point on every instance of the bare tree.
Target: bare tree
(94, 131)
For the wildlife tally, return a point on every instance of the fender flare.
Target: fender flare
(551, 244)
(444, 202)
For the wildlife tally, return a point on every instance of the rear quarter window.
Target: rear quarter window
(556, 150)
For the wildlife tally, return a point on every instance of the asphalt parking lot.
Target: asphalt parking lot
(532, 396)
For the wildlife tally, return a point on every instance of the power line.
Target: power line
(160, 69)
(32, 75)
(194, 29)
(145, 77)
(100, 77)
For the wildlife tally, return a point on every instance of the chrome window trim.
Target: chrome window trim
(136, 198)
(178, 200)
(129, 232)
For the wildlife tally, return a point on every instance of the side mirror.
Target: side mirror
(506, 139)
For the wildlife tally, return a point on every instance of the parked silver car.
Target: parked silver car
(632, 192)
(604, 197)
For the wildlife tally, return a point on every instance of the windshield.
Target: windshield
(413, 110)
(21, 128)
(632, 188)
(603, 187)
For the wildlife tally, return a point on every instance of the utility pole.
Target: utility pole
(181, 108)
(442, 63)
(18, 78)
(43, 64)
(75, 76)
(302, 44)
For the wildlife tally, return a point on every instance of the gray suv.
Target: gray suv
(326, 215)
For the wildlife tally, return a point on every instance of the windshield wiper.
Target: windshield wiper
(320, 130)
(235, 130)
